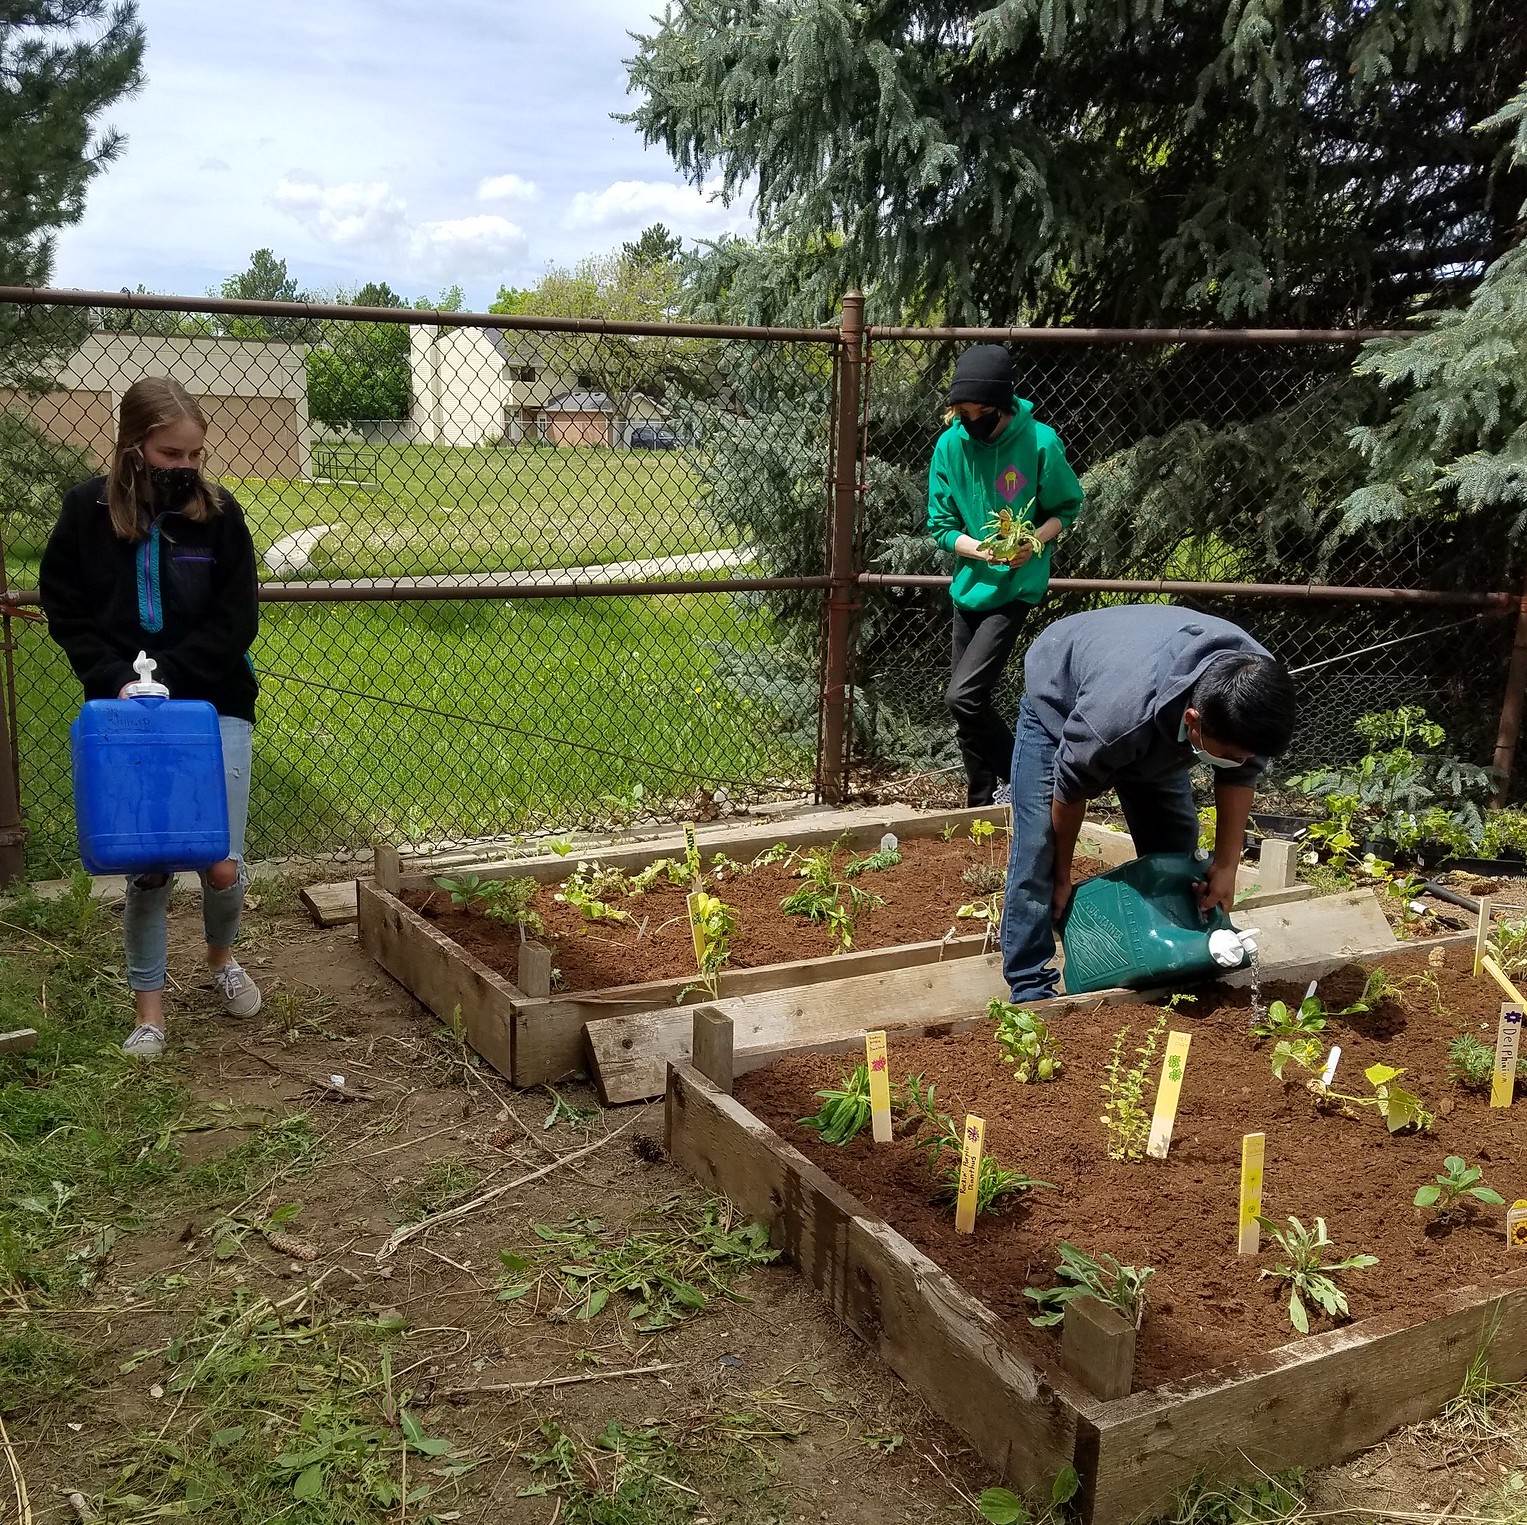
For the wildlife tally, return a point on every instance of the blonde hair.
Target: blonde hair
(150, 403)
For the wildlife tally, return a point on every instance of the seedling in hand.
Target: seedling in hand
(1025, 1042)
(1118, 1286)
(845, 1111)
(1004, 536)
(1307, 1273)
(1458, 1180)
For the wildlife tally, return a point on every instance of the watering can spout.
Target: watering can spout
(147, 686)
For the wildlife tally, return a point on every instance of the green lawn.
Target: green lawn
(420, 509)
(577, 679)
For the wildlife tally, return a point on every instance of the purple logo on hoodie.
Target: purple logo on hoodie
(1011, 483)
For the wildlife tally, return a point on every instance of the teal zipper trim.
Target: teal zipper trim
(150, 596)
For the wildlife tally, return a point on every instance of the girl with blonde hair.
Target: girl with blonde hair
(155, 556)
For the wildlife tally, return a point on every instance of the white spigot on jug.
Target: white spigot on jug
(1231, 949)
(147, 687)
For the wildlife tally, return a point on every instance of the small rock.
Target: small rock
(156, 1392)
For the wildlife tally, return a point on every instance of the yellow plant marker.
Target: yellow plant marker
(879, 1065)
(692, 854)
(1253, 1151)
(1508, 1037)
(1481, 936)
(1167, 1092)
(692, 900)
(970, 1173)
(1498, 974)
(1516, 1226)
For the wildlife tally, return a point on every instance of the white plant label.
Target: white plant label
(1328, 1074)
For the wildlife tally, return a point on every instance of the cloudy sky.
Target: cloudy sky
(421, 144)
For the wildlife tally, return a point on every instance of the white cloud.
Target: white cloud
(629, 205)
(465, 246)
(508, 188)
(215, 166)
(345, 216)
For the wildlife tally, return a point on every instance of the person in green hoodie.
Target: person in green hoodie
(994, 456)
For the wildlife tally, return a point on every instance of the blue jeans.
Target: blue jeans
(1159, 812)
(145, 922)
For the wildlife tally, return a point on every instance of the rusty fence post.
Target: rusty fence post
(1507, 736)
(842, 590)
(12, 833)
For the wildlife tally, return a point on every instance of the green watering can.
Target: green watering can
(1139, 926)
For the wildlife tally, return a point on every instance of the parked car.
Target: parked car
(651, 437)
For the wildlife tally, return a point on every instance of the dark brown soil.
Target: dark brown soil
(1206, 1305)
(921, 897)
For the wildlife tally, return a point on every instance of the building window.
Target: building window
(522, 373)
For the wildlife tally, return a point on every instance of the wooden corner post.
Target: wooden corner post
(841, 593)
(711, 1047)
(1510, 729)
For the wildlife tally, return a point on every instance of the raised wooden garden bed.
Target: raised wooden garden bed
(451, 959)
(1223, 1384)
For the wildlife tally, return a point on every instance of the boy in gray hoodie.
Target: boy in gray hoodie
(1129, 699)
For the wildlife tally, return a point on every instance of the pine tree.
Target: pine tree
(62, 64)
(1110, 162)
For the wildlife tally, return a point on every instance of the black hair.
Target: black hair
(1248, 701)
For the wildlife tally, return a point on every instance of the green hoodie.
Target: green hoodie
(969, 484)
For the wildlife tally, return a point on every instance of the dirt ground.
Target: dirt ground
(800, 1421)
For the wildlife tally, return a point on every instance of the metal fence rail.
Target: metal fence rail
(519, 572)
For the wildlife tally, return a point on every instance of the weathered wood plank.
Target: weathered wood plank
(549, 1043)
(1310, 1403)
(330, 905)
(950, 1348)
(713, 1047)
(440, 973)
(21, 1041)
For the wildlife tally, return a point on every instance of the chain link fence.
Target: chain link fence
(519, 574)
(438, 508)
(1177, 436)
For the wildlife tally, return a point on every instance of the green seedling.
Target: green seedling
(1400, 1109)
(715, 921)
(781, 852)
(988, 910)
(721, 866)
(941, 1142)
(564, 1111)
(994, 1184)
(584, 887)
(946, 834)
(1311, 1014)
(1307, 1272)
(1124, 1115)
(503, 900)
(1457, 1181)
(1025, 1042)
(844, 1111)
(912, 1103)
(1001, 1506)
(668, 870)
(1305, 1052)
(827, 899)
(983, 877)
(981, 833)
(1471, 1064)
(1117, 1286)
(887, 857)
(1004, 536)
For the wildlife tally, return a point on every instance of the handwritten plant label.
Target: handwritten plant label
(1516, 1225)
(1172, 1067)
(692, 854)
(696, 931)
(974, 1140)
(1508, 1038)
(878, 1062)
(1253, 1152)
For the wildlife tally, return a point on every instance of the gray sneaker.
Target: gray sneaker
(144, 1042)
(241, 996)
(1004, 795)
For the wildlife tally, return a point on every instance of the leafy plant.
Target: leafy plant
(1004, 536)
(1471, 1064)
(1112, 1283)
(1505, 832)
(715, 921)
(873, 863)
(1304, 1052)
(1400, 1108)
(946, 833)
(1124, 1116)
(943, 1146)
(661, 869)
(1458, 1179)
(844, 1111)
(1001, 1506)
(781, 852)
(988, 910)
(505, 900)
(981, 833)
(1311, 1014)
(984, 877)
(1508, 946)
(584, 887)
(1307, 1272)
(826, 898)
(1025, 1041)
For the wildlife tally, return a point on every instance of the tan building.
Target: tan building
(254, 394)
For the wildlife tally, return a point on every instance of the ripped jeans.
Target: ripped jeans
(145, 922)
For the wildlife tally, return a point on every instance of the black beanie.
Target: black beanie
(984, 374)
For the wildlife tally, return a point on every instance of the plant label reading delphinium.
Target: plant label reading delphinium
(1508, 1039)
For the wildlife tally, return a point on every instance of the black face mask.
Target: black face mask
(174, 486)
(983, 426)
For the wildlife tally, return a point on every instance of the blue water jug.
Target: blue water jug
(1139, 926)
(149, 792)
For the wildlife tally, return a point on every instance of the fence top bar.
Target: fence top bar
(1501, 603)
(44, 296)
(1063, 335)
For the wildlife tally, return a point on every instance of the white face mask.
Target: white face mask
(1208, 757)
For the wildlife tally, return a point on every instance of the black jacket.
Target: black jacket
(186, 593)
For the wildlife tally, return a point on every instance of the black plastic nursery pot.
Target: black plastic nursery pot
(1268, 824)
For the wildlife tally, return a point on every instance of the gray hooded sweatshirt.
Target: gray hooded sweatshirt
(1110, 687)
